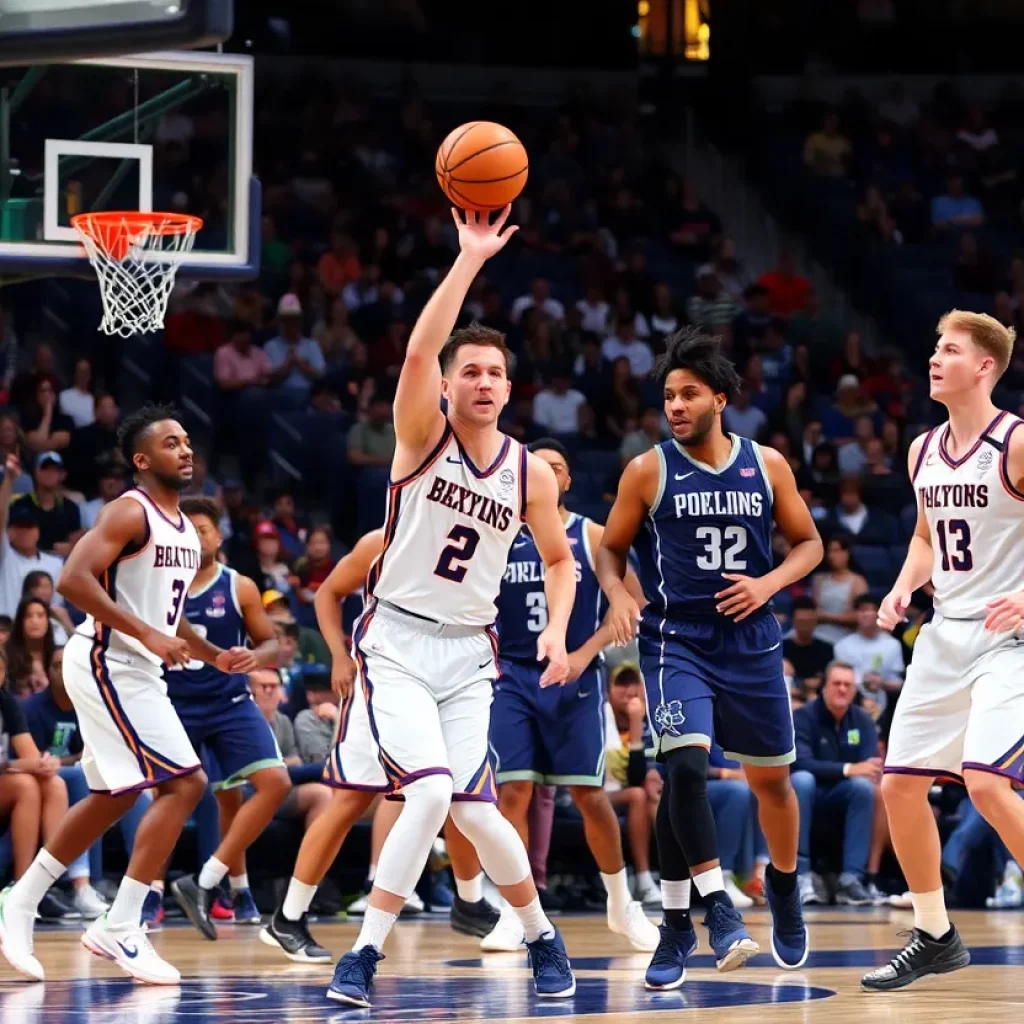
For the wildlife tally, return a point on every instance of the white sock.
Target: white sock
(297, 899)
(127, 906)
(709, 881)
(32, 886)
(617, 888)
(239, 881)
(534, 921)
(212, 874)
(930, 912)
(675, 895)
(158, 886)
(471, 889)
(376, 926)
(644, 881)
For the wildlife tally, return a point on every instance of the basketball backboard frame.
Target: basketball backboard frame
(59, 252)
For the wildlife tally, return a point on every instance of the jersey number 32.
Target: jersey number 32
(722, 548)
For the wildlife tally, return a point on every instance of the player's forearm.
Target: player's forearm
(439, 315)
(83, 590)
(803, 558)
(327, 605)
(560, 591)
(596, 644)
(610, 568)
(266, 653)
(199, 647)
(917, 567)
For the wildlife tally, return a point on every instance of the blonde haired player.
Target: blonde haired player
(961, 712)
(425, 649)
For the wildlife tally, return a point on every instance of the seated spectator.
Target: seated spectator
(19, 551)
(12, 443)
(624, 342)
(876, 657)
(310, 648)
(78, 402)
(835, 590)
(712, 306)
(735, 277)
(753, 320)
(789, 292)
(827, 152)
(694, 228)
(46, 427)
(742, 418)
(643, 439)
(24, 387)
(853, 457)
(973, 270)
(539, 297)
(339, 265)
(623, 405)
(850, 403)
(372, 442)
(275, 572)
(836, 776)
(955, 209)
(854, 519)
(39, 584)
(315, 725)
(590, 371)
(335, 336)
(594, 310)
(58, 517)
(315, 565)
(806, 652)
(30, 648)
(290, 529)
(239, 363)
(665, 318)
(93, 449)
(556, 408)
(111, 485)
(634, 785)
(295, 360)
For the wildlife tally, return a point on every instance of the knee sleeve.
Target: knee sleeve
(689, 811)
(671, 859)
(501, 851)
(407, 847)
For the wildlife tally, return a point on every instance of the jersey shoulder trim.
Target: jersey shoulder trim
(524, 469)
(482, 474)
(1004, 463)
(585, 536)
(925, 445)
(759, 456)
(956, 463)
(662, 477)
(148, 503)
(435, 453)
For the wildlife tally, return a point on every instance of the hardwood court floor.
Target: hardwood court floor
(433, 975)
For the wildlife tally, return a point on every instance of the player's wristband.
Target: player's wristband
(846, 769)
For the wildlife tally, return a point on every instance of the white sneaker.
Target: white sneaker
(507, 936)
(360, 905)
(16, 926)
(878, 897)
(413, 905)
(902, 902)
(129, 947)
(1008, 894)
(740, 900)
(641, 931)
(808, 890)
(89, 903)
(649, 896)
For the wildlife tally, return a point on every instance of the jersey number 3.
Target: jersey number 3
(722, 548)
(464, 541)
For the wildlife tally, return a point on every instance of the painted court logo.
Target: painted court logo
(669, 717)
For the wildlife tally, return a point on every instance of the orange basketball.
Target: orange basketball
(481, 166)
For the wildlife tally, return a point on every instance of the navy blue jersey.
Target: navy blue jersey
(705, 522)
(214, 613)
(523, 607)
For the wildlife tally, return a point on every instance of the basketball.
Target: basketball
(481, 166)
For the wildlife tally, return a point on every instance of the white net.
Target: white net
(136, 258)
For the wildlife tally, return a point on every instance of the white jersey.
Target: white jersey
(975, 517)
(448, 533)
(151, 582)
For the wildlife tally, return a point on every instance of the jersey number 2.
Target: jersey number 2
(464, 541)
(722, 548)
(955, 545)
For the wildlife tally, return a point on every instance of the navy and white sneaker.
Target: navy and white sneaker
(353, 976)
(789, 932)
(729, 937)
(246, 911)
(552, 972)
(667, 969)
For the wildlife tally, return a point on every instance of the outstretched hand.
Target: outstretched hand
(478, 237)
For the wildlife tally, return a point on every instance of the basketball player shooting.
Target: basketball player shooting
(129, 574)
(353, 770)
(701, 507)
(425, 646)
(960, 714)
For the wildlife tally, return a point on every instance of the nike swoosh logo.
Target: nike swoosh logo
(239, 698)
(486, 664)
(775, 648)
(453, 460)
(520, 544)
(128, 951)
(580, 695)
(683, 476)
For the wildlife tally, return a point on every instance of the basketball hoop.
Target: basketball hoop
(136, 258)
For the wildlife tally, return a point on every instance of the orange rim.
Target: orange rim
(93, 224)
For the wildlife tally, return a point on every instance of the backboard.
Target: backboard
(156, 131)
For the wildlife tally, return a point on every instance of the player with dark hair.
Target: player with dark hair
(129, 574)
(556, 735)
(224, 724)
(700, 509)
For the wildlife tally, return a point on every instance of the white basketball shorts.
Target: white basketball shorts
(131, 735)
(962, 705)
(421, 706)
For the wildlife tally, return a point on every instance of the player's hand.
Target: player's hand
(478, 237)
(577, 666)
(343, 676)
(623, 615)
(551, 648)
(237, 659)
(744, 597)
(171, 650)
(893, 609)
(1006, 613)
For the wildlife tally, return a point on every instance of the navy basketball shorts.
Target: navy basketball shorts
(233, 739)
(718, 680)
(554, 735)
